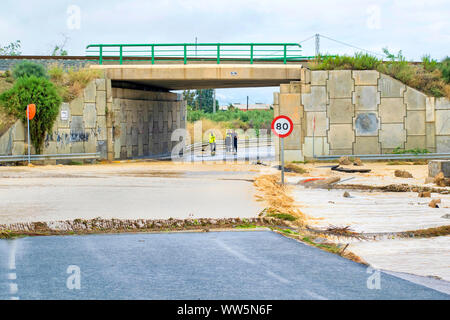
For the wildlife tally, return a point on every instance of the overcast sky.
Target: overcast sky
(416, 27)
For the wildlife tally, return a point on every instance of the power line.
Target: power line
(352, 46)
(307, 39)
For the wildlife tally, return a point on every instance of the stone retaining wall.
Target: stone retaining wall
(360, 112)
(117, 123)
(143, 122)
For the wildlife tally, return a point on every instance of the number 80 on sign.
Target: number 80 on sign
(282, 126)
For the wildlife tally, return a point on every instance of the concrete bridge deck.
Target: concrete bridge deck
(177, 77)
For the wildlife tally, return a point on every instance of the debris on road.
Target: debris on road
(346, 194)
(434, 203)
(357, 162)
(440, 180)
(349, 170)
(344, 160)
(425, 194)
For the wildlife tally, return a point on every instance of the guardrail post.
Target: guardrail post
(218, 54)
(185, 54)
(285, 54)
(153, 54)
(121, 56)
(101, 55)
(251, 54)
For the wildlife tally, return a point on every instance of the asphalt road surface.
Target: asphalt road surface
(214, 265)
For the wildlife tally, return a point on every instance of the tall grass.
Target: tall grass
(71, 82)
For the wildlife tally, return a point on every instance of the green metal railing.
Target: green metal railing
(185, 52)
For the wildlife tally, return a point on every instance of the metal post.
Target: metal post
(28, 126)
(121, 54)
(251, 54)
(101, 55)
(317, 44)
(218, 54)
(282, 161)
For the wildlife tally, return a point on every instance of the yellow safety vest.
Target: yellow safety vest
(212, 139)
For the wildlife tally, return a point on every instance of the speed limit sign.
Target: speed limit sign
(282, 126)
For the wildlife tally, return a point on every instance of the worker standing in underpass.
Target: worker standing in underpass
(212, 143)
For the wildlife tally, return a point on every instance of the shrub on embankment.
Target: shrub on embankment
(429, 76)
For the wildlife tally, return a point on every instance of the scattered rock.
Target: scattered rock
(403, 174)
(344, 160)
(434, 203)
(357, 162)
(425, 194)
(322, 183)
(441, 181)
(346, 194)
(446, 216)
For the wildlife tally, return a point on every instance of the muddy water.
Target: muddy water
(425, 257)
(371, 211)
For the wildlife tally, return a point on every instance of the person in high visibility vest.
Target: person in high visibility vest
(212, 143)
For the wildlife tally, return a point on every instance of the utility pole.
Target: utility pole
(317, 44)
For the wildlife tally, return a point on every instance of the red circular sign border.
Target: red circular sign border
(290, 122)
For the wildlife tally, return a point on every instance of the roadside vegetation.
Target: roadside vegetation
(430, 76)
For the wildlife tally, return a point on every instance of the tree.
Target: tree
(59, 50)
(43, 94)
(12, 49)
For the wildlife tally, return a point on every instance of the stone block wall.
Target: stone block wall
(361, 112)
(143, 122)
(117, 123)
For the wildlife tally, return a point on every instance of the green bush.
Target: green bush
(444, 67)
(40, 92)
(27, 69)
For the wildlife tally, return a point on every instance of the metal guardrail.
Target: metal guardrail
(241, 142)
(389, 156)
(251, 52)
(36, 157)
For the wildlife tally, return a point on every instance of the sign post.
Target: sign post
(31, 112)
(282, 127)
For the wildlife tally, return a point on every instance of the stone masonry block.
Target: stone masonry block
(100, 84)
(340, 84)
(293, 155)
(413, 142)
(90, 115)
(392, 135)
(290, 106)
(366, 77)
(18, 131)
(442, 104)
(319, 78)
(430, 135)
(366, 124)
(366, 145)
(366, 98)
(392, 110)
(443, 144)
(63, 109)
(341, 111)
(294, 140)
(390, 88)
(443, 122)
(341, 136)
(77, 106)
(90, 92)
(317, 146)
(430, 109)
(415, 100)
(316, 100)
(285, 88)
(100, 103)
(415, 122)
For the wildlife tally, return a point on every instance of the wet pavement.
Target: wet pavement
(214, 265)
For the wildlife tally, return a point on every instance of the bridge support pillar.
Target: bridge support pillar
(288, 102)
